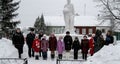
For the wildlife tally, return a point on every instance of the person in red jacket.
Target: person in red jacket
(91, 45)
(36, 47)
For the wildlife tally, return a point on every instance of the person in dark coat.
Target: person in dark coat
(76, 46)
(97, 40)
(84, 47)
(52, 45)
(29, 40)
(102, 41)
(68, 41)
(109, 38)
(40, 36)
(18, 41)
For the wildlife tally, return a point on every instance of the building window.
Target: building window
(90, 31)
(83, 31)
(77, 31)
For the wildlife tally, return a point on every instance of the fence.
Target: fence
(66, 61)
(13, 61)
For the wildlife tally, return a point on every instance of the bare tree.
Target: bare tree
(110, 10)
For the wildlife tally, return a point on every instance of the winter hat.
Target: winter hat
(31, 29)
(44, 37)
(60, 37)
(36, 36)
(67, 32)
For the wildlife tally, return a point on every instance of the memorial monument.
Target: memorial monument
(69, 14)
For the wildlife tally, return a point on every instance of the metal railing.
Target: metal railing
(66, 61)
(13, 61)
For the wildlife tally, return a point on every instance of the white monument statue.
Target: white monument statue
(69, 17)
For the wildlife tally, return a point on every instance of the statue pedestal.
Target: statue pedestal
(72, 31)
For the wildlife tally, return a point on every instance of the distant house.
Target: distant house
(82, 24)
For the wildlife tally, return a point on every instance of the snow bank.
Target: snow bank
(7, 50)
(107, 55)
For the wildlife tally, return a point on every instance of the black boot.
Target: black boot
(52, 56)
(40, 53)
(60, 56)
(36, 57)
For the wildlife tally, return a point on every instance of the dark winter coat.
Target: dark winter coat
(52, 43)
(29, 39)
(18, 40)
(76, 45)
(109, 40)
(40, 36)
(36, 45)
(68, 42)
(85, 45)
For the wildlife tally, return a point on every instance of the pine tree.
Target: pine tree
(42, 24)
(8, 8)
(0, 13)
(36, 25)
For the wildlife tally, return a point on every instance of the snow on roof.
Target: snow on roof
(54, 20)
(104, 23)
(59, 21)
(78, 21)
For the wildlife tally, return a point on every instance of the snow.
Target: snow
(107, 55)
(78, 21)
(104, 23)
(59, 21)
(7, 49)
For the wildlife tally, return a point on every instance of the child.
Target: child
(76, 46)
(91, 45)
(44, 47)
(84, 47)
(36, 47)
(60, 47)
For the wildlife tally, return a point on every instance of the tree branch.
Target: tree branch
(108, 7)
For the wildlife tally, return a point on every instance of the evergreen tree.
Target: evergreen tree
(0, 13)
(42, 24)
(8, 8)
(36, 25)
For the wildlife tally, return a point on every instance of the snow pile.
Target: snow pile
(107, 55)
(7, 50)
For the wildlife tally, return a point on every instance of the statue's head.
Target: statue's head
(68, 1)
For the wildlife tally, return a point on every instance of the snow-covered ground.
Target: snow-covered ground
(107, 55)
(7, 49)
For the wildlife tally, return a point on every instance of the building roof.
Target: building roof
(104, 23)
(78, 21)
(59, 21)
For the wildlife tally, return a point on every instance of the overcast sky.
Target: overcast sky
(30, 9)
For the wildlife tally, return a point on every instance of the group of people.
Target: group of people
(38, 44)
